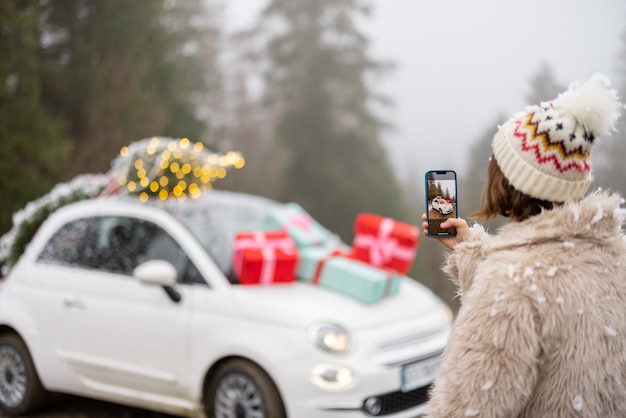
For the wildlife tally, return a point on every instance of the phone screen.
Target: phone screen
(441, 201)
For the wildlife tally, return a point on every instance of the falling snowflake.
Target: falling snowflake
(533, 287)
(577, 403)
(493, 312)
(541, 299)
(471, 412)
(511, 270)
(551, 271)
(499, 297)
(575, 211)
(609, 331)
(569, 244)
(528, 272)
(580, 311)
(599, 214)
(487, 385)
(559, 300)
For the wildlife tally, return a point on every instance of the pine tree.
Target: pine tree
(543, 85)
(32, 147)
(316, 83)
(118, 71)
(608, 163)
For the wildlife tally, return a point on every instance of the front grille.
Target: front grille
(393, 402)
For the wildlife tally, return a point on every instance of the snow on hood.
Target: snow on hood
(299, 304)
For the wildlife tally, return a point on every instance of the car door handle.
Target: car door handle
(74, 303)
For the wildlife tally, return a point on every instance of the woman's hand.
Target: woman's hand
(462, 231)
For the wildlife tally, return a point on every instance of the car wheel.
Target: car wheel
(21, 391)
(240, 389)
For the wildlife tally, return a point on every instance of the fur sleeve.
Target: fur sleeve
(461, 263)
(490, 364)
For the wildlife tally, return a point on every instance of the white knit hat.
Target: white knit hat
(545, 151)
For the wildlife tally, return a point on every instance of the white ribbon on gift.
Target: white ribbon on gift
(268, 248)
(383, 248)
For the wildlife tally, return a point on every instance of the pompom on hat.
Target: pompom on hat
(545, 151)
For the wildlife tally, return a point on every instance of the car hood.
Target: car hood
(301, 303)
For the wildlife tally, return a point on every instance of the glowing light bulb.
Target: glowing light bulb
(239, 163)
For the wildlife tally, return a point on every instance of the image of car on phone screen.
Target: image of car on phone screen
(442, 205)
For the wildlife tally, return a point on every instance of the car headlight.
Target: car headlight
(330, 337)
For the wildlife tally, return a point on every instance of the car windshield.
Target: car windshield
(215, 217)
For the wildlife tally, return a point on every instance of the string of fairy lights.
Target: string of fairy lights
(168, 168)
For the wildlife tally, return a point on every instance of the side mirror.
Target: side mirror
(158, 272)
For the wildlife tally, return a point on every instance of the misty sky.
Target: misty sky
(461, 64)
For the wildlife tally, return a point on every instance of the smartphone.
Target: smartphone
(441, 201)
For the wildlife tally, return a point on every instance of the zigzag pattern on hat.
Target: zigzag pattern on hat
(539, 143)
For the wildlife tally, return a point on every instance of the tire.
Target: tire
(21, 391)
(241, 389)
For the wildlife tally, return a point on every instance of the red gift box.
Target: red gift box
(265, 257)
(385, 242)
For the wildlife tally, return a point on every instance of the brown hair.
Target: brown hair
(500, 198)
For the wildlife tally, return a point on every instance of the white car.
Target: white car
(442, 205)
(132, 303)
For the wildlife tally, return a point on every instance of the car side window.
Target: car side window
(72, 244)
(117, 245)
(161, 246)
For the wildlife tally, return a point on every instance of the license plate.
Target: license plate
(420, 373)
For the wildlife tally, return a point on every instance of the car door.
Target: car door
(119, 336)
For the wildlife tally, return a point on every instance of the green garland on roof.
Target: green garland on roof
(27, 221)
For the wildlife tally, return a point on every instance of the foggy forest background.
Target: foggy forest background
(294, 94)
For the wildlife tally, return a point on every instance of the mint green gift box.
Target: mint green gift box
(302, 228)
(353, 278)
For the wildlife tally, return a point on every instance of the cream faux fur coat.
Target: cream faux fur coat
(541, 331)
